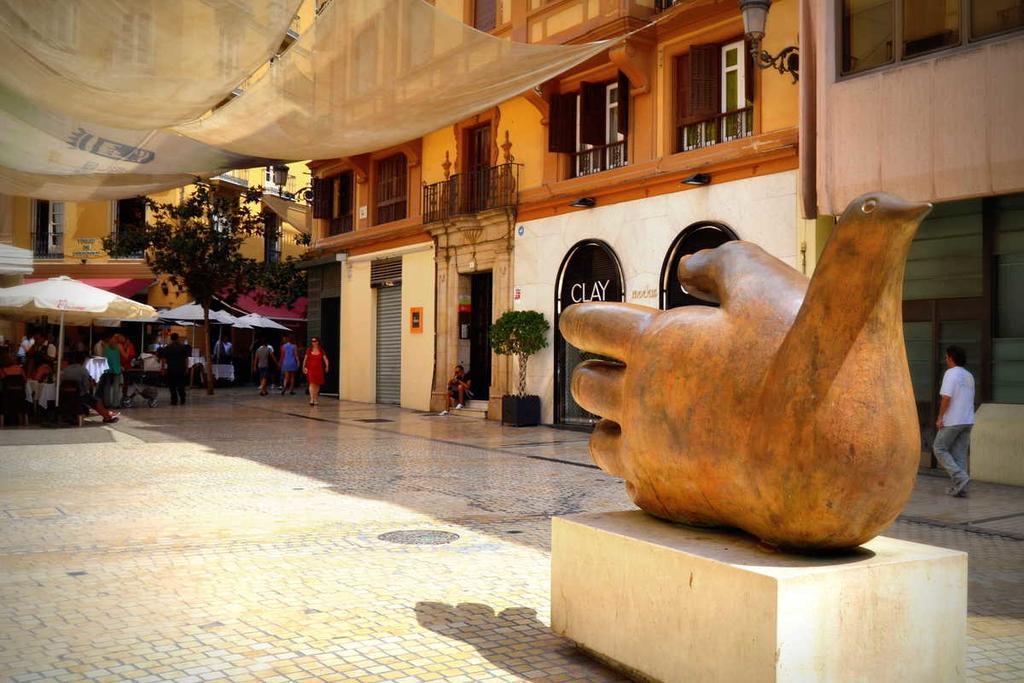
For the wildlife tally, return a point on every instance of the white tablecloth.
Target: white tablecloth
(96, 366)
(42, 394)
(224, 371)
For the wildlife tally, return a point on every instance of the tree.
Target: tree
(196, 246)
(520, 334)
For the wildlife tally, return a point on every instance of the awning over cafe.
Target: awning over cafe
(122, 286)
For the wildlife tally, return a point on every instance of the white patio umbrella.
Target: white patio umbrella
(256, 320)
(75, 302)
(194, 312)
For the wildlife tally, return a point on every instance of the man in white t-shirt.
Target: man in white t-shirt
(956, 417)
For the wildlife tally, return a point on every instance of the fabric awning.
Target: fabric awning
(122, 286)
(247, 304)
(291, 212)
(15, 260)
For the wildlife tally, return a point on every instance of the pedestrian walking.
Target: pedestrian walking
(174, 368)
(956, 417)
(112, 380)
(289, 365)
(261, 360)
(315, 367)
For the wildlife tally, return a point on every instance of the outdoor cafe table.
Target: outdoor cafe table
(96, 366)
(40, 393)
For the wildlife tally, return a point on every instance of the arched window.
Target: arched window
(703, 235)
(590, 271)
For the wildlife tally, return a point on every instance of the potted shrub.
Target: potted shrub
(520, 334)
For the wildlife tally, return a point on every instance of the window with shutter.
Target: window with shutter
(485, 14)
(320, 197)
(600, 145)
(562, 123)
(340, 203)
(391, 189)
(592, 113)
(622, 120)
(705, 75)
(713, 95)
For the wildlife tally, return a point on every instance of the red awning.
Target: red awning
(247, 303)
(122, 286)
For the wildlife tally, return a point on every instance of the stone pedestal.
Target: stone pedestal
(997, 444)
(671, 603)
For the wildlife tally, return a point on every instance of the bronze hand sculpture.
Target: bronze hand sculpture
(788, 411)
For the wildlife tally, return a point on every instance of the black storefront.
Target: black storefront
(590, 271)
(693, 238)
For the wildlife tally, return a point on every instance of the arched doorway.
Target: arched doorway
(703, 235)
(590, 271)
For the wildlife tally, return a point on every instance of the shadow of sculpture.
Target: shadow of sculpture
(513, 640)
(787, 412)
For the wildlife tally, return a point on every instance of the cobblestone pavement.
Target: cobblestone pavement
(238, 538)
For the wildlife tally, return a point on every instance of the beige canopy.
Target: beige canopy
(80, 118)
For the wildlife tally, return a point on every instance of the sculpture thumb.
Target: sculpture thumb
(836, 414)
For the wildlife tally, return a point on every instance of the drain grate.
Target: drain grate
(374, 419)
(419, 537)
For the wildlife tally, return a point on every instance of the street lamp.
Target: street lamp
(755, 16)
(280, 174)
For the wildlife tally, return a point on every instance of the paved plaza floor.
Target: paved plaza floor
(239, 538)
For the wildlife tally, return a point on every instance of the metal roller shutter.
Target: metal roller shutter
(389, 345)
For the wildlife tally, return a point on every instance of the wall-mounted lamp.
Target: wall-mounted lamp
(755, 16)
(697, 179)
(280, 176)
(584, 203)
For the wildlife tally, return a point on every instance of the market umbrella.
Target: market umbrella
(75, 302)
(194, 312)
(259, 321)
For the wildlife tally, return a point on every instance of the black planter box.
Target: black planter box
(520, 411)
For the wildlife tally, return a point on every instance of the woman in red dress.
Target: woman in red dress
(314, 367)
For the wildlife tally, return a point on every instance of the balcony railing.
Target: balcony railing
(662, 5)
(489, 187)
(48, 245)
(732, 125)
(234, 177)
(599, 158)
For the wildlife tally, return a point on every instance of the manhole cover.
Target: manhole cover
(419, 537)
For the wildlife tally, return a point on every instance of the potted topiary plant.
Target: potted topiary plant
(520, 334)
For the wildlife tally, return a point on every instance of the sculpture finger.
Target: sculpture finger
(736, 272)
(606, 328)
(606, 448)
(598, 387)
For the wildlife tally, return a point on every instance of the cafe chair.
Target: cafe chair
(12, 401)
(71, 406)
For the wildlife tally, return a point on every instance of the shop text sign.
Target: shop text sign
(88, 247)
(589, 291)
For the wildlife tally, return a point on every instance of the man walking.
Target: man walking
(261, 360)
(956, 417)
(174, 368)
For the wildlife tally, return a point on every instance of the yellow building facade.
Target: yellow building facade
(495, 200)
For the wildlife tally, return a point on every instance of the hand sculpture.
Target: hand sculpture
(787, 412)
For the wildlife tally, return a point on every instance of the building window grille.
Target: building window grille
(49, 230)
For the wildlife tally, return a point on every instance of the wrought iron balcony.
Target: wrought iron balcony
(732, 125)
(598, 158)
(488, 187)
(48, 245)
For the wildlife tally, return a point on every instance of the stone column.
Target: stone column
(501, 301)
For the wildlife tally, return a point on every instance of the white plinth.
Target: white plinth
(673, 603)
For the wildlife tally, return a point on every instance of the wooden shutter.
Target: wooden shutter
(562, 123)
(485, 14)
(593, 112)
(682, 93)
(705, 81)
(623, 122)
(345, 194)
(321, 198)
